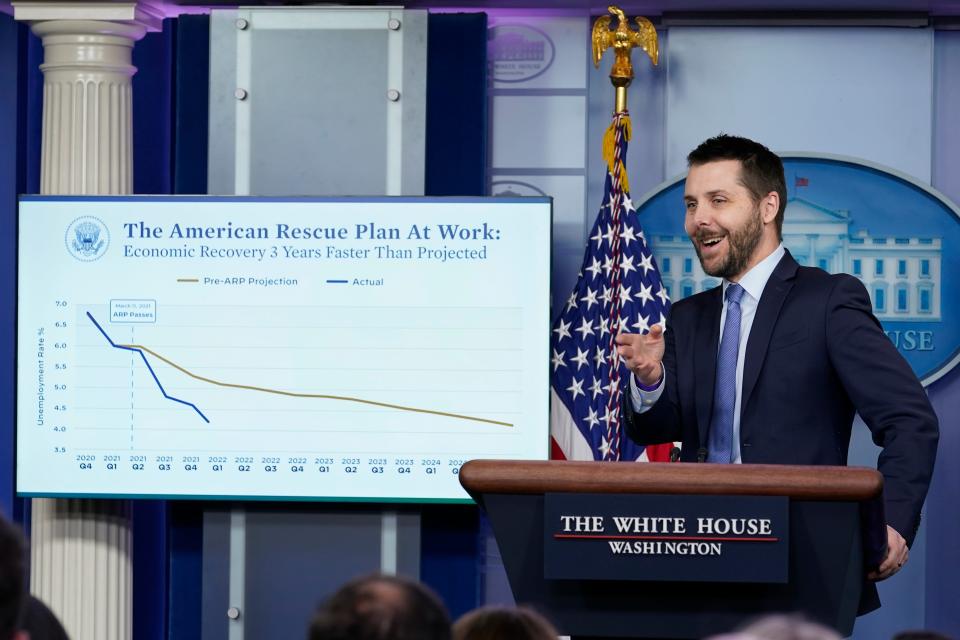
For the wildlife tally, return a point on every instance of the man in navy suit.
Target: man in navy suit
(771, 366)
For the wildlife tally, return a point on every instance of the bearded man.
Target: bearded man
(772, 365)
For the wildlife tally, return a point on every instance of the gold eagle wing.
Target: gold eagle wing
(644, 37)
(601, 37)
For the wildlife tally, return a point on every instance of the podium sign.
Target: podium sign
(679, 538)
(588, 590)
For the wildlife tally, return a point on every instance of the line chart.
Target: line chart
(293, 394)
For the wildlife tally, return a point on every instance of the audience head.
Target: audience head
(920, 634)
(502, 623)
(782, 627)
(13, 590)
(381, 608)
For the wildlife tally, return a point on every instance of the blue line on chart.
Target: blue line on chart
(338, 281)
(149, 368)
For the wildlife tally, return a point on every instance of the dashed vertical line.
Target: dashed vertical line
(133, 359)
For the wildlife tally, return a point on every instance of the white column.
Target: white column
(87, 106)
(82, 549)
(81, 565)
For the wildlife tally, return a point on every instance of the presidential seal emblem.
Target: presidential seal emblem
(87, 238)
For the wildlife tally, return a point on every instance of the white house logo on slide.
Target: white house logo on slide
(87, 238)
(518, 52)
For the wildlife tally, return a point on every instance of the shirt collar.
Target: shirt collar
(754, 280)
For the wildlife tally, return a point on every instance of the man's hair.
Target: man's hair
(13, 589)
(761, 170)
(381, 608)
(496, 623)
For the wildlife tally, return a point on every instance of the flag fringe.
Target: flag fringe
(610, 147)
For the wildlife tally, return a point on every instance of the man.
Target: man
(381, 608)
(771, 366)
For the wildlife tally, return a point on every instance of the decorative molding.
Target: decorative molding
(148, 15)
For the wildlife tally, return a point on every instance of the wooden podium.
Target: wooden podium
(836, 531)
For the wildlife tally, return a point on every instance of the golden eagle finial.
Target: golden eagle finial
(623, 39)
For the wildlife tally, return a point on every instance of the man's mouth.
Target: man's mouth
(709, 243)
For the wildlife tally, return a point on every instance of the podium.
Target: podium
(836, 531)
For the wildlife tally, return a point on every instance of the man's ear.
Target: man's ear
(769, 207)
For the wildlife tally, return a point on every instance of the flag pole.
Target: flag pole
(618, 290)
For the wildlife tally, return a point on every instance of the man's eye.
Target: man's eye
(718, 201)
(691, 205)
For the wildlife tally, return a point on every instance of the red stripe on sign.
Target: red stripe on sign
(581, 536)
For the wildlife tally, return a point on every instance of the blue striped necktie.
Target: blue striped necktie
(720, 445)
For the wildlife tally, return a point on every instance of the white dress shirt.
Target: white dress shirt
(753, 282)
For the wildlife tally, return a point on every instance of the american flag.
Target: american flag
(618, 290)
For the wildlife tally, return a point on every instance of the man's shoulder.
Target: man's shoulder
(820, 280)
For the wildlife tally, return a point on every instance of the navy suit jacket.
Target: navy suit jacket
(816, 355)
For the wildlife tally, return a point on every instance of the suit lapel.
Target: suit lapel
(774, 294)
(705, 358)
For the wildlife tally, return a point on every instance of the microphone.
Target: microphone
(702, 454)
(674, 454)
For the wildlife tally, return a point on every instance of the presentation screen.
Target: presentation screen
(279, 348)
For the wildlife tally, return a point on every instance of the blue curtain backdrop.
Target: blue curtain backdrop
(456, 105)
(10, 148)
(456, 158)
(20, 56)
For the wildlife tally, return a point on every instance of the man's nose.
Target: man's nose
(701, 216)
